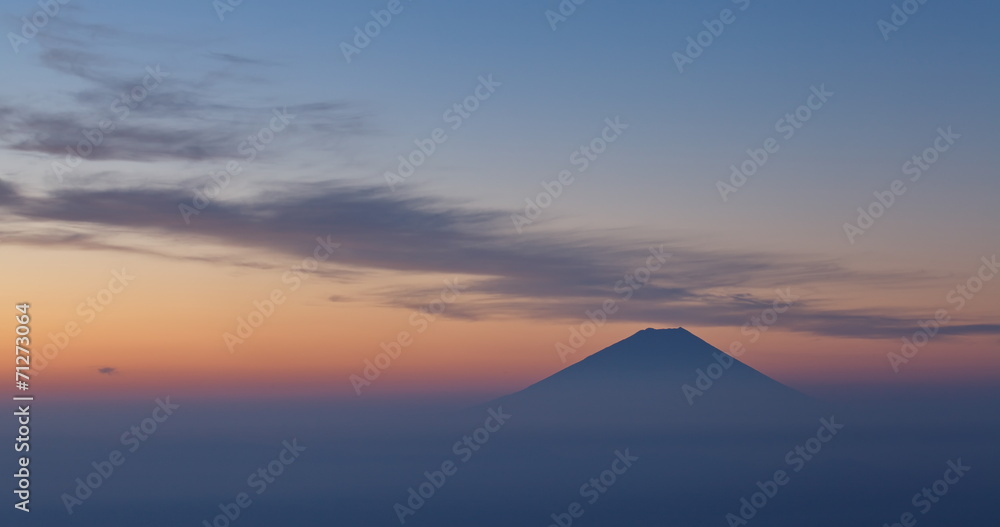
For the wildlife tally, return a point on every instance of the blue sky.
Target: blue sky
(657, 181)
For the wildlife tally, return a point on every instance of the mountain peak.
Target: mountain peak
(678, 331)
(652, 345)
(644, 374)
(677, 343)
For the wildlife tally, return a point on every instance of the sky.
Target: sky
(244, 161)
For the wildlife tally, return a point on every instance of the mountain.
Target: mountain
(695, 455)
(617, 440)
(658, 376)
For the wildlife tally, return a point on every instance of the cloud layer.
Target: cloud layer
(555, 275)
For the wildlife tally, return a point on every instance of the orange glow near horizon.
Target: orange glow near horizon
(159, 332)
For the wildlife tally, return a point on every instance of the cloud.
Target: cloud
(167, 126)
(107, 371)
(182, 116)
(8, 193)
(232, 58)
(555, 275)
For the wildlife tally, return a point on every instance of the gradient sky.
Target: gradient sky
(62, 237)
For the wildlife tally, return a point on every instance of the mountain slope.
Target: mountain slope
(694, 459)
(666, 376)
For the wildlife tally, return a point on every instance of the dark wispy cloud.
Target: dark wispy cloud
(185, 112)
(168, 131)
(107, 371)
(232, 58)
(554, 275)
(8, 194)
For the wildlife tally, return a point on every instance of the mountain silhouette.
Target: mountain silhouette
(664, 376)
(630, 398)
